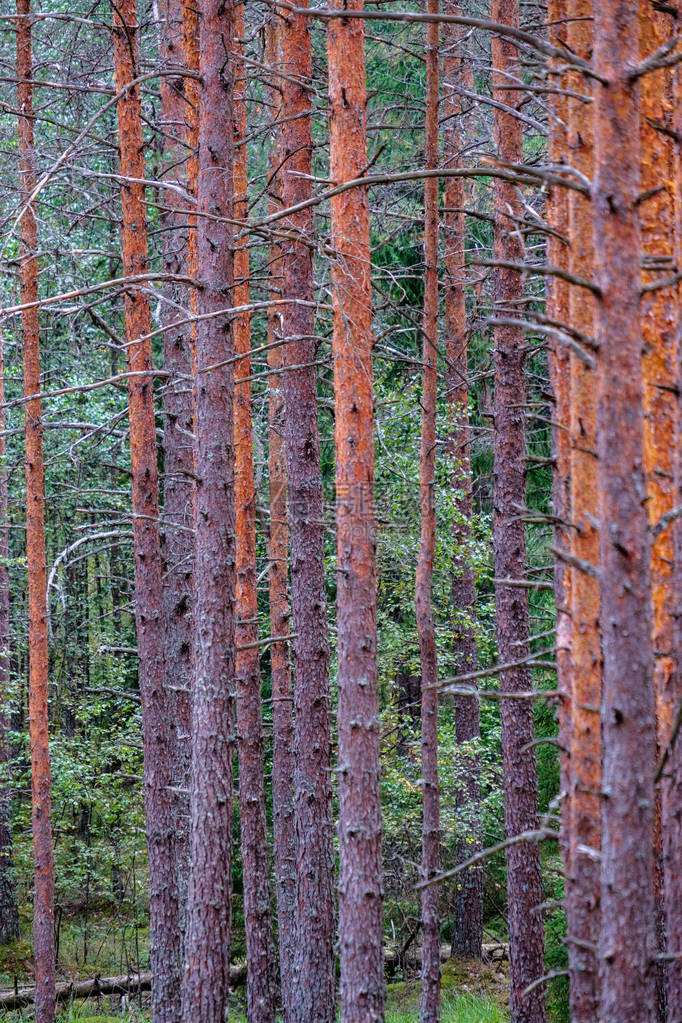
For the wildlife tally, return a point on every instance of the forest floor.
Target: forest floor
(473, 992)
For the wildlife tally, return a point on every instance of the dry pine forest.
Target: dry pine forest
(341, 511)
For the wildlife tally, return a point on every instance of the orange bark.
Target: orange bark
(360, 884)
(582, 883)
(260, 983)
(43, 854)
(659, 313)
(627, 934)
(157, 724)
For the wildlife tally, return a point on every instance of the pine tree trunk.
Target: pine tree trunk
(430, 915)
(582, 887)
(254, 844)
(283, 823)
(9, 914)
(43, 854)
(671, 783)
(206, 985)
(524, 879)
(659, 316)
(361, 884)
(627, 939)
(558, 255)
(468, 896)
(314, 955)
(178, 447)
(156, 713)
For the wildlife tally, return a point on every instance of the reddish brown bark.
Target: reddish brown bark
(255, 858)
(9, 914)
(560, 377)
(671, 783)
(627, 939)
(283, 823)
(205, 990)
(583, 879)
(43, 854)
(468, 897)
(178, 447)
(360, 884)
(314, 957)
(524, 880)
(659, 313)
(430, 915)
(156, 713)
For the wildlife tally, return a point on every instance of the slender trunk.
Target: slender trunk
(582, 882)
(627, 939)
(206, 985)
(659, 314)
(9, 914)
(283, 823)
(360, 885)
(314, 956)
(156, 712)
(558, 254)
(43, 853)
(468, 897)
(671, 783)
(524, 879)
(254, 844)
(178, 448)
(430, 1000)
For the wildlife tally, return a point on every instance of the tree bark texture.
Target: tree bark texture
(671, 783)
(283, 760)
(178, 448)
(360, 885)
(206, 984)
(254, 843)
(558, 255)
(659, 316)
(430, 895)
(314, 955)
(583, 878)
(468, 896)
(9, 913)
(524, 880)
(41, 796)
(627, 939)
(157, 724)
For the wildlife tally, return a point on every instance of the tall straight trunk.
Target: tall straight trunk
(157, 725)
(283, 823)
(360, 885)
(659, 316)
(254, 843)
(430, 915)
(524, 879)
(41, 802)
(9, 913)
(627, 938)
(558, 254)
(206, 984)
(671, 783)
(582, 887)
(314, 955)
(178, 447)
(468, 897)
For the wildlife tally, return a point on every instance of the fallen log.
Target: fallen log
(126, 983)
